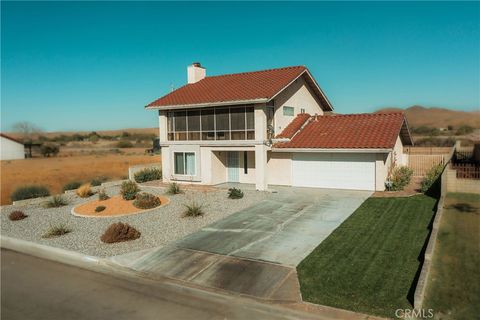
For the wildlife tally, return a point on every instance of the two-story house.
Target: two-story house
(271, 127)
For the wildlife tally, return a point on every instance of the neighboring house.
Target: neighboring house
(11, 148)
(270, 127)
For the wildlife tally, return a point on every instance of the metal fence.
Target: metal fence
(427, 150)
(421, 163)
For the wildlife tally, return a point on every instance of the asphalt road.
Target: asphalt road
(33, 288)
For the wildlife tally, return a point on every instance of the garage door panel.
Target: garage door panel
(339, 171)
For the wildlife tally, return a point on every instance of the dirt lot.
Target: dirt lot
(56, 171)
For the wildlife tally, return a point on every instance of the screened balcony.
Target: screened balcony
(218, 123)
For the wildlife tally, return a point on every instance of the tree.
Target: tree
(26, 130)
(49, 149)
(94, 138)
(463, 130)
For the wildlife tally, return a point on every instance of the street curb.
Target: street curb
(55, 254)
(102, 265)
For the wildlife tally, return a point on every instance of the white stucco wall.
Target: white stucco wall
(11, 150)
(385, 162)
(381, 170)
(166, 170)
(279, 168)
(298, 95)
(218, 167)
(400, 157)
(162, 125)
(260, 122)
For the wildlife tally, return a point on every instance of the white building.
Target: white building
(270, 127)
(11, 149)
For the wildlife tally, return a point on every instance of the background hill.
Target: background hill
(112, 133)
(418, 116)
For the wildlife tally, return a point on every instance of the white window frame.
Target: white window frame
(246, 130)
(184, 164)
(289, 108)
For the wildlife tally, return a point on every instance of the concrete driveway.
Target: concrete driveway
(255, 251)
(283, 229)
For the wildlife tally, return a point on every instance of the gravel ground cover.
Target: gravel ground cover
(158, 227)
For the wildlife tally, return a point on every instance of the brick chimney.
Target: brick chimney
(196, 72)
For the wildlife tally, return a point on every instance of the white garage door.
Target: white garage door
(334, 170)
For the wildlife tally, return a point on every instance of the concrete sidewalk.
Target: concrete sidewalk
(241, 276)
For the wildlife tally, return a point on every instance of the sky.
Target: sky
(95, 65)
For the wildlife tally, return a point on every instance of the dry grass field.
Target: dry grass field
(55, 172)
(438, 117)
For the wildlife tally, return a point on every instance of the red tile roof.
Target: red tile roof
(9, 138)
(247, 86)
(294, 126)
(350, 131)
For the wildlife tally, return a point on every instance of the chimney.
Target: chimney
(196, 72)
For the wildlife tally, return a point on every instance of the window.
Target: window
(222, 123)
(288, 111)
(184, 163)
(302, 110)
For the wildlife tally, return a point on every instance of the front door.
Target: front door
(233, 166)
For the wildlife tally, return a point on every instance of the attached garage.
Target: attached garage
(354, 171)
(352, 151)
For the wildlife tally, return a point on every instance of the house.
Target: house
(273, 127)
(11, 148)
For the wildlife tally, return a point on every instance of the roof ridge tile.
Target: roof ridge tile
(256, 71)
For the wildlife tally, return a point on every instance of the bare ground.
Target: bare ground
(55, 172)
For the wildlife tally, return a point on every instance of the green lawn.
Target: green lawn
(453, 290)
(371, 262)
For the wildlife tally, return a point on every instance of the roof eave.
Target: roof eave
(340, 150)
(209, 104)
(316, 86)
(409, 134)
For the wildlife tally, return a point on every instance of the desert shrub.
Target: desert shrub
(119, 232)
(102, 195)
(17, 215)
(431, 177)
(98, 181)
(85, 191)
(174, 188)
(463, 130)
(193, 210)
(56, 231)
(56, 201)
(94, 138)
(49, 149)
(423, 130)
(234, 193)
(124, 144)
(30, 192)
(129, 190)
(100, 208)
(435, 142)
(72, 185)
(401, 177)
(146, 201)
(148, 174)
